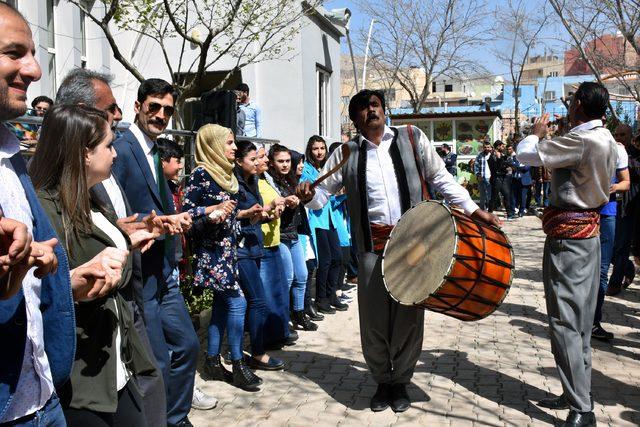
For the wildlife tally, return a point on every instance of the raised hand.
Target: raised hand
(540, 126)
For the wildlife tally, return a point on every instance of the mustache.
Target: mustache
(372, 116)
(158, 122)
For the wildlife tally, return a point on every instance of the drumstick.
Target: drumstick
(345, 156)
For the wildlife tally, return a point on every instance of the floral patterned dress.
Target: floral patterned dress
(214, 245)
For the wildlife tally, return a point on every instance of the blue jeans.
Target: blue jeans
(50, 415)
(485, 193)
(227, 313)
(276, 291)
(253, 289)
(607, 236)
(295, 270)
(622, 266)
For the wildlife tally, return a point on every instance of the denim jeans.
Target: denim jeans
(485, 193)
(311, 285)
(329, 259)
(227, 313)
(50, 415)
(295, 270)
(622, 248)
(607, 236)
(525, 198)
(276, 292)
(253, 289)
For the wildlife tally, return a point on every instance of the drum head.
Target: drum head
(419, 253)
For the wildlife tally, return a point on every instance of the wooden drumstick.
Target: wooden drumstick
(345, 156)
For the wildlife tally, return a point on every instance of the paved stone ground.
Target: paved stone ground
(484, 373)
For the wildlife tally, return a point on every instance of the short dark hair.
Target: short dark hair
(39, 99)
(497, 143)
(168, 148)
(594, 99)
(485, 142)
(242, 87)
(447, 146)
(360, 101)
(156, 87)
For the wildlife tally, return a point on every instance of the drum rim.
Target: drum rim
(455, 249)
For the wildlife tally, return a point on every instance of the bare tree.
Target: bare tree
(517, 34)
(606, 35)
(415, 42)
(194, 35)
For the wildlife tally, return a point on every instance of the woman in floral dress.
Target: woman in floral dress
(211, 200)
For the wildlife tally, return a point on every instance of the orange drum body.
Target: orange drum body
(442, 260)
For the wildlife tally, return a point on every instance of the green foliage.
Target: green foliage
(197, 299)
(622, 117)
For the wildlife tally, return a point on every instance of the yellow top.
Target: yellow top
(271, 230)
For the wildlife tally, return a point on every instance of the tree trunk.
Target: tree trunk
(516, 126)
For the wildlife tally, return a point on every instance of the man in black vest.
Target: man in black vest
(383, 179)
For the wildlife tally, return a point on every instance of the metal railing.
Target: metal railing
(186, 137)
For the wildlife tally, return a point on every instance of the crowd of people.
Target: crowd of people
(98, 231)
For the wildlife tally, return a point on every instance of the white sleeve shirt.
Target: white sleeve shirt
(147, 145)
(382, 185)
(115, 195)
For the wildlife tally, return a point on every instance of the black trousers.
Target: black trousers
(329, 259)
(130, 412)
(501, 185)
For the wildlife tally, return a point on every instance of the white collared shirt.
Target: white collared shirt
(383, 195)
(147, 145)
(35, 385)
(116, 196)
(382, 185)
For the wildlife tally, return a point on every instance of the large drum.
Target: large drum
(442, 260)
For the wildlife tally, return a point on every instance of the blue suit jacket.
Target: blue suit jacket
(56, 304)
(134, 175)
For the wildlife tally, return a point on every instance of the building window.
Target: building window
(434, 87)
(323, 89)
(553, 74)
(550, 95)
(51, 47)
(448, 88)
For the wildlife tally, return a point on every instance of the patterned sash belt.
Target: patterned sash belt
(567, 224)
(379, 235)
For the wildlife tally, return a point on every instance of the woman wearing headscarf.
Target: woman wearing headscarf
(211, 200)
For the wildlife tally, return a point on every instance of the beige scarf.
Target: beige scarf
(210, 147)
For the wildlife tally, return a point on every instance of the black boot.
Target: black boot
(301, 320)
(310, 310)
(243, 377)
(215, 370)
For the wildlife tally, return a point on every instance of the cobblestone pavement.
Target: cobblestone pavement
(485, 373)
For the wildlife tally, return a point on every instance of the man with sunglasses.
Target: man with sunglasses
(138, 169)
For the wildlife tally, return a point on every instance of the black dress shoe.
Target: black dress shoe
(380, 400)
(182, 423)
(325, 307)
(400, 401)
(559, 402)
(340, 306)
(243, 377)
(272, 365)
(580, 419)
(313, 314)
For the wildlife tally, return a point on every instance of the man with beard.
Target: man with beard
(383, 179)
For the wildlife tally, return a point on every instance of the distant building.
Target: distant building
(540, 66)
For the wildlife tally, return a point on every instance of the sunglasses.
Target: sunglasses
(154, 107)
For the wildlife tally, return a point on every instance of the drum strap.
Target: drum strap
(416, 157)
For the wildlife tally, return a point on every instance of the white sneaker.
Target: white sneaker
(202, 401)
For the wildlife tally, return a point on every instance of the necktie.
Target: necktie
(162, 189)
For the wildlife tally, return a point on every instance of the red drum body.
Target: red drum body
(444, 261)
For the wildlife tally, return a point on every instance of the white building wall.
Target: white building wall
(285, 90)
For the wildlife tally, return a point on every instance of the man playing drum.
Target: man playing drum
(582, 164)
(384, 176)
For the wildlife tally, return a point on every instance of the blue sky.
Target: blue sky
(482, 55)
